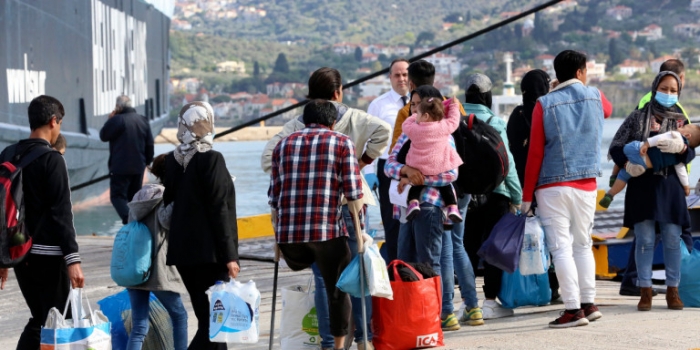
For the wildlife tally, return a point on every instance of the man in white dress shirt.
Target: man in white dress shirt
(386, 107)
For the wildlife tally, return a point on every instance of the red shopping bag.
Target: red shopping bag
(412, 319)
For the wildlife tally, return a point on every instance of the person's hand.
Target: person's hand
(525, 207)
(75, 274)
(402, 184)
(367, 239)
(644, 148)
(414, 175)
(3, 277)
(673, 145)
(634, 169)
(514, 208)
(687, 190)
(361, 164)
(233, 269)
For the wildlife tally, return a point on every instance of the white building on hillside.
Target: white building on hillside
(445, 64)
(375, 87)
(630, 67)
(695, 5)
(595, 71)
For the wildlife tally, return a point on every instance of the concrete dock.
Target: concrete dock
(622, 326)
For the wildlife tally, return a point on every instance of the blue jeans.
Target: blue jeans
(462, 264)
(671, 237)
(424, 240)
(140, 308)
(420, 240)
(447, 272)
(321, 299)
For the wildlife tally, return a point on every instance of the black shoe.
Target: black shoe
(634, 291)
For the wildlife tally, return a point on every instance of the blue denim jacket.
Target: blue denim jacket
(573, 129)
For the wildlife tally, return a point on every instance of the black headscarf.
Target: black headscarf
(473, 96)
(636, 125)
(534, 85)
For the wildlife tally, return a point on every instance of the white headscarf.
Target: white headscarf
(195, 131)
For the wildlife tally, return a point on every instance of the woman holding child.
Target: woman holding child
(656, 196)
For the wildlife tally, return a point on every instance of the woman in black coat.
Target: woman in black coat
(534, 85)
(656, 198)
(203, 242)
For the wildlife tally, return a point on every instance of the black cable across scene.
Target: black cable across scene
(367, 77)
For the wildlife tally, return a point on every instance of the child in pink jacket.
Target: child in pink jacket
(429, 131)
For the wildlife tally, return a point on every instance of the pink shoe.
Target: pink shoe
(453, 214)
(413, 210)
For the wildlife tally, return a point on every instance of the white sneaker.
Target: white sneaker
(492, 309)
(462, 307)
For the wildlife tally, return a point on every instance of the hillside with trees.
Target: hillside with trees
(302, 33)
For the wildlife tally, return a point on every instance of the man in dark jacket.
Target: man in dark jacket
(130, 151)
(53, 260)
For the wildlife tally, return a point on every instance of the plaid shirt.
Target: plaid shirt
(311, 168)
(430, 193)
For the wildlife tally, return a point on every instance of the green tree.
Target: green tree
(616, 54)
(425, 37)
(453, 17)
(281, 64)
(358, 54)
(541, 31)
(256, 69)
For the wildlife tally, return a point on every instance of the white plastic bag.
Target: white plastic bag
(299, 325)
(377, 276)
(234, 312)
(87, 330)
(534, 256)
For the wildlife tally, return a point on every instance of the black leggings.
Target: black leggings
(480, 221)
(331, 257)
(197, 279)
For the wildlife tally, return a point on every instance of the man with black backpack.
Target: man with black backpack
(506, 196)
(53, 261)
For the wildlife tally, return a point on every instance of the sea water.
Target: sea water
(243, 162)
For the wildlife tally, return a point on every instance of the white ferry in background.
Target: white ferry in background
(85, 53)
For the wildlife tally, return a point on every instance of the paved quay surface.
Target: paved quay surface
(622, 326)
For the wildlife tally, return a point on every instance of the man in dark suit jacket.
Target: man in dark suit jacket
(130, 151)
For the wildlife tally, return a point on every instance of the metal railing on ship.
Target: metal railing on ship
(368, 77)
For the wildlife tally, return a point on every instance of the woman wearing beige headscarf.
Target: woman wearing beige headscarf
(203, 232)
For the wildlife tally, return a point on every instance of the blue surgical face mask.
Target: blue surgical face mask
(666, 100)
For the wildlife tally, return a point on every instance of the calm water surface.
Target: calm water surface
(243, 162)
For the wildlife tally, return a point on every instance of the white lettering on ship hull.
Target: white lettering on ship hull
(24, 85)
(119, 58)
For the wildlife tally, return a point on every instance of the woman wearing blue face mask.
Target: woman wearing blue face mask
(656, 197)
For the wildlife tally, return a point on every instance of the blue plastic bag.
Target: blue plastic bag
(518, 290)
(502, 248)
(689, 287)
(117, 308)
(349, 281)
(131, 255)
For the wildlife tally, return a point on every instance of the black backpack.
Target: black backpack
(15, 241)
(484, 154)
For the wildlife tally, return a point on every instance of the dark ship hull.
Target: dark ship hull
(85, 53)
